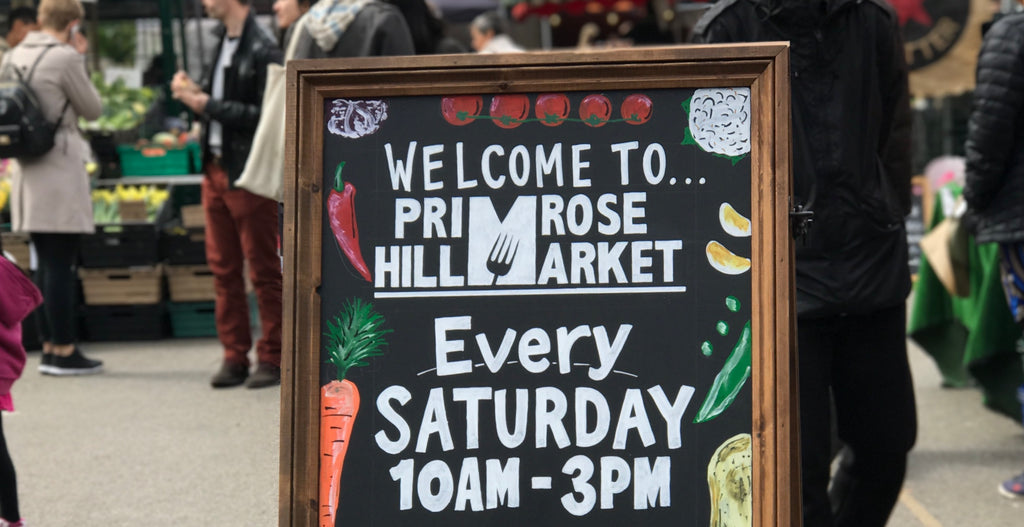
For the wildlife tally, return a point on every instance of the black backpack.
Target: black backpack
(24, 130)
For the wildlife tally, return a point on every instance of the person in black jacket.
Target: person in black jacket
(994, 188)
(240, 226)
(851, 159)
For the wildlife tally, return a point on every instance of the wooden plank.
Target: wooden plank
(787, 409)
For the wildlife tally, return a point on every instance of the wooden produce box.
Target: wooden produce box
(193, 216)
(123, 285)
(16, 243)
(190, 283)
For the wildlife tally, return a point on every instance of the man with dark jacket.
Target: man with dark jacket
(851, 158)
(994, 188)
(240, 226)
(20, 21)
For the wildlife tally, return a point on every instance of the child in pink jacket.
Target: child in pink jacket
(18, 297)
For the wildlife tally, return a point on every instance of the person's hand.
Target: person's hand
(79, 42)
(182, 83)
(195, 99)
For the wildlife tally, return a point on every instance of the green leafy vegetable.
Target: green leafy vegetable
(729, 381)
(355, 335)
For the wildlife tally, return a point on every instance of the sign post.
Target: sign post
(541, 289)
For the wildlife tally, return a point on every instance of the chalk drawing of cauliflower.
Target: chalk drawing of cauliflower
(719, 122)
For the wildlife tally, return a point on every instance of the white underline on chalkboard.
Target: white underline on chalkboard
(532, 292)
(541, 483)
(582, 364)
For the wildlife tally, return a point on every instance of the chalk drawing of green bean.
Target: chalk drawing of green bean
(729, 381)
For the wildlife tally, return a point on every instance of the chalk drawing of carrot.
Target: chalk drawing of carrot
(355, 335)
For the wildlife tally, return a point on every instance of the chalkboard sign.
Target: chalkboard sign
(547, 289)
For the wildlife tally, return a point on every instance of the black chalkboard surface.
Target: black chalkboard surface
(535, 308)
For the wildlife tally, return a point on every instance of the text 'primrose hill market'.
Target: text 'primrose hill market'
(609, 214)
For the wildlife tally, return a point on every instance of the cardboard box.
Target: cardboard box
(193, 216)
(190, 283)
(128, 285)
(17, 244)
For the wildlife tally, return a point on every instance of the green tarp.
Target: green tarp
(972, 339)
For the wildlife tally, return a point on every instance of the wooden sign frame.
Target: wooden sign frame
(764, 68)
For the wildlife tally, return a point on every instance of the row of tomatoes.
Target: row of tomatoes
(551, 109)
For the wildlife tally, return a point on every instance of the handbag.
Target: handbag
(263, 174)
(947, 248)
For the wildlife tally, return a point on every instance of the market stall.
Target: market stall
(143, 271)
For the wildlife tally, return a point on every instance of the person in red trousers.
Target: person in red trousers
(240, 226)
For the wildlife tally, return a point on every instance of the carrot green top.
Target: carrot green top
(354, 336)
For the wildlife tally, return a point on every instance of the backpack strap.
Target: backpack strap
(32, 72)
(64, 110)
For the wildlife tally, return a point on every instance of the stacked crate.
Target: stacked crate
(122, 282)
(189, 279)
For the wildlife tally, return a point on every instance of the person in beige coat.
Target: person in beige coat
(50, 198)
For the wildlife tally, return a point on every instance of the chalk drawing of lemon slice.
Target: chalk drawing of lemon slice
(733, 223)
(724, 261)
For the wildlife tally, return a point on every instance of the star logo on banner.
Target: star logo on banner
(911, 10)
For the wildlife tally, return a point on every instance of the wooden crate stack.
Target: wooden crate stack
(123, 303)
(123, 283)
(189, 279)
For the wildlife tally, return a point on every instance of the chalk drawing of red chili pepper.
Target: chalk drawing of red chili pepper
(341, 208)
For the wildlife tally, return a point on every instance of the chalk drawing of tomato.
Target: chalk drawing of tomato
(636, 109)
(509, 111)
(595, 110)
(552, 108)
(461, 110)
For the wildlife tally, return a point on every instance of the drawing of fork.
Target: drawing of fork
(503, 252)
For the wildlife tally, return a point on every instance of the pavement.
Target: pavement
(150, 444)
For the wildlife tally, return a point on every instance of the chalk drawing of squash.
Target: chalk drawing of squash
(718, 121)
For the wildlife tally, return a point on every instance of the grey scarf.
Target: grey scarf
(328, 19)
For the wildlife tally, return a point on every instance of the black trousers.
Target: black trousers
(57, 254)
(8, 483)
(859, 362)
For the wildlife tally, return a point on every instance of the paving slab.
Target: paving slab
(150, 444)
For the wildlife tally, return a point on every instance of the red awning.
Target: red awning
(522, 10)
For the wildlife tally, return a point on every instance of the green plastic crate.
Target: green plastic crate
(153, 160)
(192, 319)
